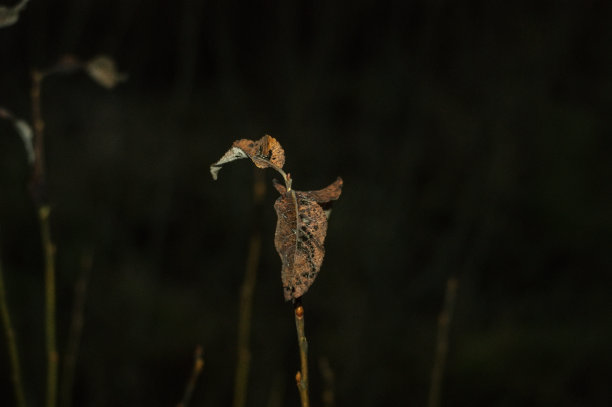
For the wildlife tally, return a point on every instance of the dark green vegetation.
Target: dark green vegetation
(474, 142)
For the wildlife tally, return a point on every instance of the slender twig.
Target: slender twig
(52, 356)
(328, 381)
(76, 329)
(444, 319)
(246, 297)
(198, 364)
(277, 391)
(38, 194)
(301, 377)
(38, 175)
(11, 344)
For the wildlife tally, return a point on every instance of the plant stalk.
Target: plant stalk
(247, 291)
(444, 319)
(76, 330)
(51, 346)
(198, 364)
(301, 377)
(38, 189)
(11, 344)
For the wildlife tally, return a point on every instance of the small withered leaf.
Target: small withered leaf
(10, 15)
(27, 135)
(265, 152)
(300, 236)
(103, 70)
(24, 130)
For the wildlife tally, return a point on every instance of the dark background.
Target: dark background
(474, 142)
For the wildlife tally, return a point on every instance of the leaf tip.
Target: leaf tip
(214, 171)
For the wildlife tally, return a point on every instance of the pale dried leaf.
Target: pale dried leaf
(10, 15)
(232, 154)
(265, 152)
(103, 70)
(27, 136)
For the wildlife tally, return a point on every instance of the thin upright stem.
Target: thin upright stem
(301, 377)
(328, 382)
(247, 291)
(38, 194)
(38, 175)
(76, 329)
(52, 356)
(198, 364)
(11, 344)
(437, 373)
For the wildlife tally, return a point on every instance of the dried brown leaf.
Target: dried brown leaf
(300, 235)
(265, 152)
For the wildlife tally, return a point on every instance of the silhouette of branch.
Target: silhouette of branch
(246, 296)
(11, 344)
(444, 320)
(328, 382)
(38, 194)
(76, 329)
(198, 364)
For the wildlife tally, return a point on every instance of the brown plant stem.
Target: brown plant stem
(198, 364)
(444, 320)
(76, 329)
(247, 291)
(301, 377)
(11, 344)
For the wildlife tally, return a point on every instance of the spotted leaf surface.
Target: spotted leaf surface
(300, 233)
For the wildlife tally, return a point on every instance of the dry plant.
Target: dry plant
(103, 71)
(10, 15)
(300, 232)
(198, 365)
(11, 343)
(247, 292)
(444, 320)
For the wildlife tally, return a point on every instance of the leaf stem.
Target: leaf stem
(301, 377)
(11, 344)
(286, 177)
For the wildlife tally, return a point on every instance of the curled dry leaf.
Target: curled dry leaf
(265, 152)
(103, 70)
(300, 233)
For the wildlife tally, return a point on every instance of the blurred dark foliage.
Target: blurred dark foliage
(474, 141)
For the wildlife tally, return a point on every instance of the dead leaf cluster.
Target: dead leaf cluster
(302, 217)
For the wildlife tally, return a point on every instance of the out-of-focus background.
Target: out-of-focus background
(474, 142)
